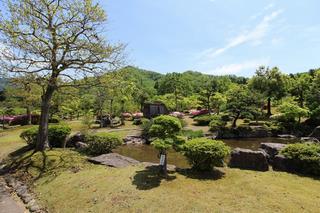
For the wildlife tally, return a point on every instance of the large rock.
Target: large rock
(309, 139)
(133, 139)
(114, 160)
(272, 149)
(81, 145)
(281, 163)
(78, 137)
(286, 136)
(249, 159)
(316, 133)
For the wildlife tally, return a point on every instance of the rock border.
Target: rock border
(24, 194)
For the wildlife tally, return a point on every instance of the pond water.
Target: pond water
(147, 153)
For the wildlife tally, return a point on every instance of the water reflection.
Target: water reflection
(147, 153)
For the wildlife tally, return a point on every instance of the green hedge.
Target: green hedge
(102, 143)
(305, 157)
(203, 120)
(57, 135)
(203, 154)
(190, 134)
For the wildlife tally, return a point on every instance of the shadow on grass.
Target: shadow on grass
(32, 166)
(215, 174)
(150, 178)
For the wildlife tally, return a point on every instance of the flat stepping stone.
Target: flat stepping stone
(113, 160)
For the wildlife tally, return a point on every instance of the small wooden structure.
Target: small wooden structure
(151, 110)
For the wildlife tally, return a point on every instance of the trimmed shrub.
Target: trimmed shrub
(146, 125)
(23, 120)
(246, 120)
(165, 126)
(305, 157)
(137, 121)
(102, 143)
(216, 124)
(190, 134)
(54, 120)
(57, 135)
(203, 120)
(30, 136)
(203, 154)
(225, 117)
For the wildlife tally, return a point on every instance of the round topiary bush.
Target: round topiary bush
(57, 135)
(102, 143)
(216, 124)
(203, 154)
(165, 126)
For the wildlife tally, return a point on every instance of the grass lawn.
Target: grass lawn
(10, 140)
(68, 183)
(65, 182)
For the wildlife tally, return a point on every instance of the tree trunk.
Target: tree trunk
(176, 99)
(269, 107)
(28, 111)
(208, 104)
(234, 124)
(301, 100)
(111, 106)
(42, 138)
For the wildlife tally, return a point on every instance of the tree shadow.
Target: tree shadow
(215, 174)
(150, 178)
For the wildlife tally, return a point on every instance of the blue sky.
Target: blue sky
(217, 36)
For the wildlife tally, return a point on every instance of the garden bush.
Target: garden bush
(137, 121)
(30, 136)
(190, 134)
(57, 135)
(216, 124)
(203, 120)
(246, 120)
(305, 157)
(146, 125)
(101, 143)
(165, 126)
(203, 154)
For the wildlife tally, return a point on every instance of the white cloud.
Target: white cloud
(269, 6)
(253, 36)
(237, 67)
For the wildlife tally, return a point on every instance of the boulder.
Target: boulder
(133, 139)
(249, 159)
(281, 163)
(286, 136)
(81, 145)
(309, 139)
(316, 133)
(272, 149)
(113, 160)
(78, 137)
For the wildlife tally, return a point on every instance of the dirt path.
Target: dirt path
(7, 202)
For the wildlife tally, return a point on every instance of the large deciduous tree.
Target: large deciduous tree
(270, 82)
(55, 39)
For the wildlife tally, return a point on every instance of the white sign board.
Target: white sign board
(162, 158)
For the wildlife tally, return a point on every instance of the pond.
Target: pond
(147, 153)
